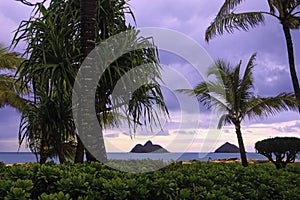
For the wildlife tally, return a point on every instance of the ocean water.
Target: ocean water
(21, 157)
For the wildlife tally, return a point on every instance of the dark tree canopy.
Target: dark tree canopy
(284, 149)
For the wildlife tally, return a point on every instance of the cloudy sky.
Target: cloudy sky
(190, 18)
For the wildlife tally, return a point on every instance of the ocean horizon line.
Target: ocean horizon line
(123, 152)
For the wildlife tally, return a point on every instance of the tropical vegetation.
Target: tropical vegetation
(198, 180)
(287, 12)
(10, 90)
(284, 149)
(53, 56)
(61, 36)
(232, 94)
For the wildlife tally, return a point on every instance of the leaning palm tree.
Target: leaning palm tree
(10, 90)
(233, 95)
(286, 11)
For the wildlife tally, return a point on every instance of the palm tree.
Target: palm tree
(55, 52)
(286, 11)
(233, 95)
(51, 65)
(88, 11)
(112, 22)
(10, 90)
(39, 127)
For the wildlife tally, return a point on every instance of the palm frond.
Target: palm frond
(189, 92)
(271, 6)
(245, 88)
(270, 106)
(233, 21)
(219, 70)
(224, 119)
(294, 22)
(9, 60)
(227, 6)
(209, 94)
(247, 80)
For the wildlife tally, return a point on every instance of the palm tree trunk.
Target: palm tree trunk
(241, 145)
(90, 157)
(43, 153)
(43, 157)
(95, 141)
(290, 49)
(60, 152)
(79, 151)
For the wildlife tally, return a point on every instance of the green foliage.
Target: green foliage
(232, 95)
(10, 90)
(284, 149)
(54, 55)
(18, 172)
(21, 189)
(57, 196)
(198, 180)
(228, 19)
(286, 12)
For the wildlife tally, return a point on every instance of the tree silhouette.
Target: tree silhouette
(233, 95)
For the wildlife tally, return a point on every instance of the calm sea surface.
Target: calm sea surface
(21, 157)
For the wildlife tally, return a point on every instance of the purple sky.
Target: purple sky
(191, 17)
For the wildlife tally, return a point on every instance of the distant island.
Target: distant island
(148, 147)
(227, 148)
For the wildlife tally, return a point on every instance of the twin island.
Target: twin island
(149, 147)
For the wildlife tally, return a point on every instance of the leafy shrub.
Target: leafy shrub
(57, 196)
(284, 149)
(199, 180)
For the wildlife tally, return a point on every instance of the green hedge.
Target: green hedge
(199, 180)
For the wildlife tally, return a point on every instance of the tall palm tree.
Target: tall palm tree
(88, 11)
(111, 21)
(287, 12)
(10, 90)
(233, 95)
(55, 53)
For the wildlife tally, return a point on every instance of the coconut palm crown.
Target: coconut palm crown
(232, 94)
(287, 12)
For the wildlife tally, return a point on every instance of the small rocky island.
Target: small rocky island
(148, 147)
(227, 148)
